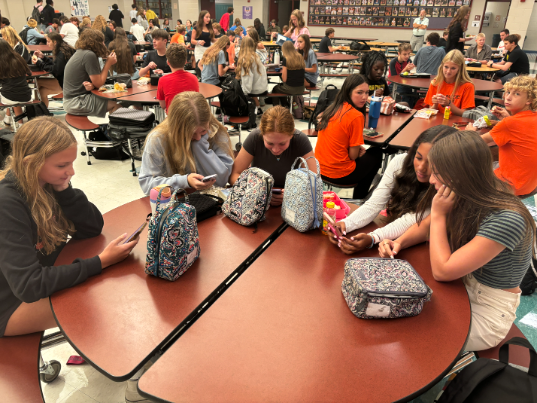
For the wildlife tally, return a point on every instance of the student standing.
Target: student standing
(187, 146)
(69, 32)
(326, 43)
(35, 186)
(133, 12)
(116, 16)
(456, 28)
(224, 21)
(48, 13)
(156, 59)
(311, 72)
(293, 75)
(100, 25)
(36, 15)
(339, 149)
(514, 63)
(297, 26)
(418, 33)
(179, 80)
(429, 58)
(251, 72)
(214, 64)
(202, 36)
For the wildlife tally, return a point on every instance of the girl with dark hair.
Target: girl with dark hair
(166, 24)
(456, 28)
(403, 184)
(478, 230)
(259, 27)
(374, 67)
(13, 75)
(339, 149)
(311, 74)
(61, 53)
(202, 36)
(125, 52)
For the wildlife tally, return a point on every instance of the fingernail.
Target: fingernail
(352, 238)
(344, 232)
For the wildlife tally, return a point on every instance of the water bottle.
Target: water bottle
(164, 197)
(330, 209)
(277, 58)
(374, 111)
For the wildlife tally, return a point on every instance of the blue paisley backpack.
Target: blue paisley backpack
(249, 198)
(173, 240)
(302, 206)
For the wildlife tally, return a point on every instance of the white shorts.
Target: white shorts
(6, 101)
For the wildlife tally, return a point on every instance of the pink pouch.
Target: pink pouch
(345, 209)
(75, 360)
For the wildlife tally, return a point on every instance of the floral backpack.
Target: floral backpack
(249, 198)
(383, 288)
(172, 240)
(302, 206)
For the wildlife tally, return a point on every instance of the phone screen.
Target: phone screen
(209, 178)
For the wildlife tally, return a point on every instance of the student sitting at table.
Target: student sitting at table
(85, 24)
(374, 65)
(442, 42)
(231, 50)
(251, 72)
(311, 74)
(452, 86)
(480, 51)
(70, 33)
(517, 145)
(16, 43)
(259, 47)
(217, 30)
(40, 210)
(137, 30)
(179, 37)
(83, 74)
(33, 37)
(514, 63)
(273, 30)
(149, 31)
(239, 34)
(429, 57)
(285, 28)
(189, 145)
(478, 230)
(156, 59)
(13, 75)
(179, 80)
(55, 65)
(126, 55)
(214, 64)
(399, 65)
(236, 24)
(293, 75)
(274, 147)
(403, 184)
(166, 24)
(53, 28)
(339, 149)
(326, 43)
(504, 33)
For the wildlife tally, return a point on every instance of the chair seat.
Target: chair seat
(216, 104)
(498, 101)
(310, 133)
(37, 101)
(58, 96)
(517, 355)
(81, 123)
(238, 119)
(333, 75)
(278, 95)
(339, 186)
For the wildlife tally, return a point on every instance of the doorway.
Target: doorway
(497, 12)
(280, 10)
(221, 9)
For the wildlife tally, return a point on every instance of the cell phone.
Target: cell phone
(277, 191)
(209, 178)
(331, 225)
(136, 233)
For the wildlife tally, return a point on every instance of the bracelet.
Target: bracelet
(372, 242)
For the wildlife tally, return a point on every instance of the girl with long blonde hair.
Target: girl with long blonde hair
(251, 72)
(452, 86)
(17, 44)
(100, 25)
(40, 210)
(293, 74)
(259, 47)
(187, 146)
(297, 27)
(214, 63)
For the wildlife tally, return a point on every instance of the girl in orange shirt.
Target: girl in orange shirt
(339, 149)
(452, 86)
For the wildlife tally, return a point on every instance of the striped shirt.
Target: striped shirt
(507, 269)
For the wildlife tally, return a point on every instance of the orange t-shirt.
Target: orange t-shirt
(178, 38)
(344, 130)
(517, 147)
(231, 53)
(463, 98)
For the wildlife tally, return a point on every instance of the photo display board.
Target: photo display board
(380, 13)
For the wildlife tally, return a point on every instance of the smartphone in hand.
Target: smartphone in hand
(209, 178)
(137, 232)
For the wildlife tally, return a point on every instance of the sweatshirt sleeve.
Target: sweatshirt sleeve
(46, 64)
(85, 216)
(59, 65)
(247, 81)
(212, 161)
(27, 278)
(380, 197)
(397, 228)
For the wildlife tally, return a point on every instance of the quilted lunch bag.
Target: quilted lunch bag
(302, 206)
(250, 196)
(172, 240)
(383, 288)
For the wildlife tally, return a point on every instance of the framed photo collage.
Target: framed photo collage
(379, 13)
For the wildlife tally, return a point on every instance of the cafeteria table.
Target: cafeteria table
(119, 319)
(42, 48)
(335, 58)
(136, 89)
(388, 126)
(284, 333)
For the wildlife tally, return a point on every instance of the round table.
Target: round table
(41, 48)
(136, 89)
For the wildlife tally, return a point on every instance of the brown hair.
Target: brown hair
(12, 37)
(160, 34)
(176, 55)
(513, 38)
(460, 17)
(329, 31)
(120, 45)
(252, 33)
(61, 45)
(181, 29)
(247, 58)
(211, 55)
(12, 64)
(74, 19)
(404, 47)
(300, 18)
(92, 39)
(199, 25)
(293, 60)
(277, 120)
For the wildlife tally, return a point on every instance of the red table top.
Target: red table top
(283, 332)
(479, 85)
(42, 48)
(349, 39)
(388, 126)
(117, 319)
(39, 73)
(150, 97)
(136, 89)
(335, 57)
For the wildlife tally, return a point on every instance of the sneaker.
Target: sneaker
(131, 393)
(7, 120)
(259, 111)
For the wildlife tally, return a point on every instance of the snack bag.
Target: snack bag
(387, 105)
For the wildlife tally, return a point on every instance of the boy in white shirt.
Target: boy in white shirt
(501, 46)
(69, 31)
(137, 30)
(133, 12)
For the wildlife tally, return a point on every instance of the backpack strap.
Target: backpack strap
(519, 341)
(174, 196)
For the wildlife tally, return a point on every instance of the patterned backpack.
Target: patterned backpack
(249, 198)
(383, 288)
(302, 206)
(172, 240)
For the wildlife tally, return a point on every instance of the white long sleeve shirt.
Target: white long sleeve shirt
(378, 201)
(253, 82)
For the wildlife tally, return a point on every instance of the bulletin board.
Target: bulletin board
(79, 8)
(382, 13)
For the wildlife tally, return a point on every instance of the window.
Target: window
(163, 8)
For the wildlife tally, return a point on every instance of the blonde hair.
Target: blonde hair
(481, 35)
(12, 37)
(454, 56)
(188, 111)
(211, 54)
(524, 84)
(293, 60)
(36, 141)
(99, 24)
(277, 120)
(32, 23)
(86, 22)
(247, 58)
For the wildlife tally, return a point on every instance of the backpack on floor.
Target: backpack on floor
(529, 282)
(491, 381)
(35, 110)
(105, 153)
(172, 240)
(326, 98)
(249, 198)
(252, 116)
(233, 102)
(302, 206)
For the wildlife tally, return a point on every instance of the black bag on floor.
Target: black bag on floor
(233, 102)
(40, 109)
(126, 117)
(355, 45)
(326, 98)
(206, 205)
(6, 138)
(491, 381)
(105, 153)
(529, 282)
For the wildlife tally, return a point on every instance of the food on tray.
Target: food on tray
(103, 88)
(120, 86)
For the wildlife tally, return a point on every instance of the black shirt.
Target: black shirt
(160, 61)
(455, 33)
(442, 43)
(375, 85)
(54, 66)
(116, 16)
(205, 36)
(324, 45)
(295, 78)
(521, 64)
(108, 36)
(16, 89)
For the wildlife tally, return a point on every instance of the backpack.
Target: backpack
(355, 45)
(491, 381)
(298, 106)
(233, 102)
(249, 198)
(105, 153)
(6, 138)
(326, 98)
(24, 35)
(172, 240)
(35, 110)
(529, 282)
(302, 206)
(36, 15)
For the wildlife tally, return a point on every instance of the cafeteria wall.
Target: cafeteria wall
(259, 8)
(518, 21)
(531, 39)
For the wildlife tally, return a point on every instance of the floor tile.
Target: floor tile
(57, 390)
(79, 397)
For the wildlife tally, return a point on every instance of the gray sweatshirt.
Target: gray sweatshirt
(253, 82)
(428, 59)
(156, 170)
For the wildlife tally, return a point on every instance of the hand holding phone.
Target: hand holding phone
(332, 225)
(137, 232)
(209, 178)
